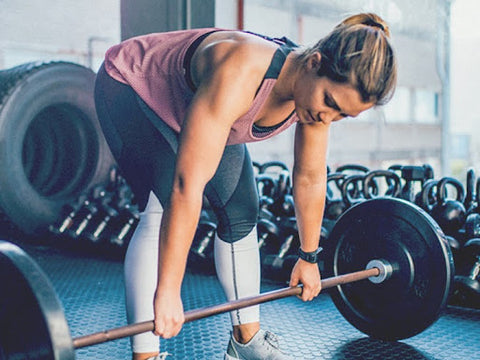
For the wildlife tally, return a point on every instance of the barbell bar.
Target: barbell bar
(197, 314)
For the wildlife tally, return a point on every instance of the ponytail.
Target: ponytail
(367, 19)
(358, 52)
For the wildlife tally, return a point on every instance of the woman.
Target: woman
(177, 109)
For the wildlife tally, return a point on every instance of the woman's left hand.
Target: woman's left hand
(307, 274)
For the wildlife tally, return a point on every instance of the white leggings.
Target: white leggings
(237, 265)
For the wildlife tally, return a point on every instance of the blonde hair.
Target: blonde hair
(358, 52)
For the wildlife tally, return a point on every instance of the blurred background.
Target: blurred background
(431, 119)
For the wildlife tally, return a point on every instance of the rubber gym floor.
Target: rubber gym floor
(90, 288)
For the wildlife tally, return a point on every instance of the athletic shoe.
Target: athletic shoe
(161, 356)
(263, 346)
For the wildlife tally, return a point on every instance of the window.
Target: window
(426, 106)
(399, 108)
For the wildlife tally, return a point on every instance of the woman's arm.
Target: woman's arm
(224, 93)
(309, 189)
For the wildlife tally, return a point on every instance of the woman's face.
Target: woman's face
(319, 99)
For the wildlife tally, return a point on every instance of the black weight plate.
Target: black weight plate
(32, 322)
(410, 240)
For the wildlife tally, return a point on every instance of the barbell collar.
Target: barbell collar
(385, 268)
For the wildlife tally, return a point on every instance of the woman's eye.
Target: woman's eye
(330, 103)
(327, 101)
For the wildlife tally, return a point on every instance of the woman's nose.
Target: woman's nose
(330, 116)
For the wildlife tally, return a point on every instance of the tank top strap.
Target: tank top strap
(280, 55)
(280, 41)
(278, 60)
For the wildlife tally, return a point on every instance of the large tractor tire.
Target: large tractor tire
(51, 145)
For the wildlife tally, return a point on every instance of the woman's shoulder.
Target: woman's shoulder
(233, 50)
(240, 43)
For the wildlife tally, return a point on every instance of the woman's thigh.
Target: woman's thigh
(233, 195)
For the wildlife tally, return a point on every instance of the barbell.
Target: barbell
(392, 242)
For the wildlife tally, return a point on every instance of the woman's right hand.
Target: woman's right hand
(169, 316)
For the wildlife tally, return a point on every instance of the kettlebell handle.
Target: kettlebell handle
(442, 193)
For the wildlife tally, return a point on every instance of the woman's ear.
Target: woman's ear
(314, 62)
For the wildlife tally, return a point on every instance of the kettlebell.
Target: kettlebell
(472, 226)
(470, 196)
(273, 164)
(449, 213)
(370, 185)
(334, 205)
(351, 169)
(428, 196)
(266, 185)
(352, 192)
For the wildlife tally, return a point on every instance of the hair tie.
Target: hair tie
(374, 24)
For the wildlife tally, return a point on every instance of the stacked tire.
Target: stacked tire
(51, 145)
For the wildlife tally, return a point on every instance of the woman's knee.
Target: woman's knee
(236, 222)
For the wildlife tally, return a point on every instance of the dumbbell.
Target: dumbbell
(109, 214)
(127, 221)
(68, 214)
(86, 217)
(105, 215)
(284, 206)
(467, 287)
(86, 214)
(274, 264)
(268, 237)
(201, 251)
(412, 175)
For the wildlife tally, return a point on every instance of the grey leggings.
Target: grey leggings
(146, 155)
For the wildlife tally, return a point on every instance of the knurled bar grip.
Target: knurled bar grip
(192, 315)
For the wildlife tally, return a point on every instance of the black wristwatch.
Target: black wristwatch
(311, 257)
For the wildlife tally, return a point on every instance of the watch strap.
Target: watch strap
(311, 257)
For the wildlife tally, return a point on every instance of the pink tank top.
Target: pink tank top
(154, 66)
